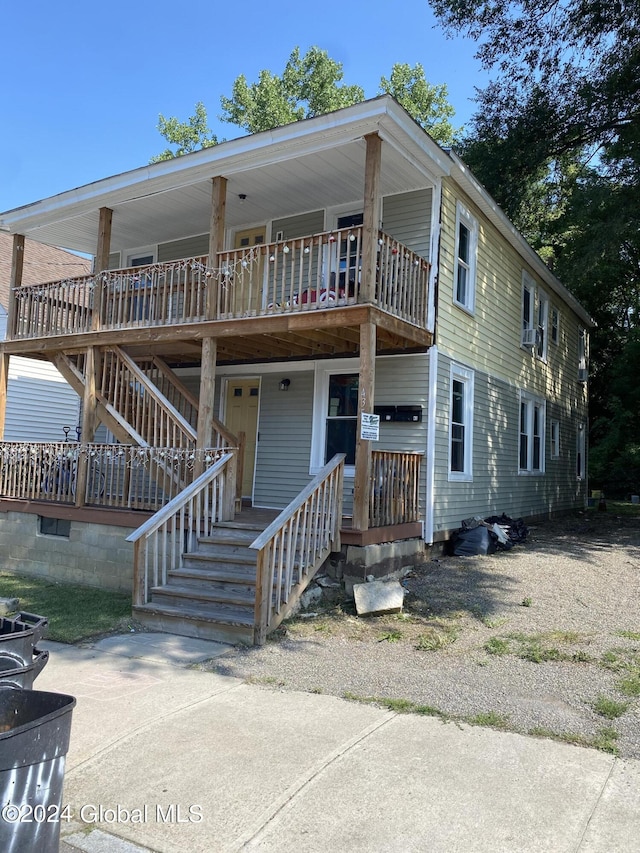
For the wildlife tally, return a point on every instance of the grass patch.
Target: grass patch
(497, 646)
(609, 708)
(630, 684)
(526, 602)
(399, 706)
(435, 638)
(629, 635)
(75, 612)
(604, 739)
(491, 719)
(390, 637)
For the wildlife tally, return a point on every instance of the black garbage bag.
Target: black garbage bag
(469, 542)
(515, 529)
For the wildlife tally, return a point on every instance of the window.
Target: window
(461, 424)
(555, 326)
(531, 442)
(54, 526)
(535, 317)
(342, 417)
(464, 273)
(554, 438)
(541, 328)
(582, 354)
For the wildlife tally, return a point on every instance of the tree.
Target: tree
(188, 136)
(426, 103)
(310, 85)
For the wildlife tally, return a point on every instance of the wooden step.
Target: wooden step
(239, 564)
(205, 624)
(205, 596)
(225, 547)
(212, 579)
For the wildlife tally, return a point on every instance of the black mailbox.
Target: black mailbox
(387, 413)
(409, 414)
(399, 414)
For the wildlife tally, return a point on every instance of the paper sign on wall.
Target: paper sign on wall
(370, 427)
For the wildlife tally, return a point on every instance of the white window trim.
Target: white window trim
(528, 286)
(554, 451)
(542, 300)
(140, 253)
(466, 376)
(465, 217)
(323, 371)
(531, 401)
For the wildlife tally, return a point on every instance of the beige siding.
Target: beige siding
(407, 218)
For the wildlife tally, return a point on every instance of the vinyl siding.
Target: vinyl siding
(190, 247)
(298, 226)
(407, 218)
(497, 485)
(39, 402)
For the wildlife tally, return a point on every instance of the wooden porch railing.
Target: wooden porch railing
(288, 276)
(295, 544)
(118, 476)
(395, 485)
(159, 544)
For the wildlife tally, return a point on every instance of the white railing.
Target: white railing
(159, 544)
(294, 546)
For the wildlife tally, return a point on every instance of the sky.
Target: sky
(84, 83)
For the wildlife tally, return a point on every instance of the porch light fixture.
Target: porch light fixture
(242, 197)
(284, 384)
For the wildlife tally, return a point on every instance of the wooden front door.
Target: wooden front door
(249, 279)
(243, 398)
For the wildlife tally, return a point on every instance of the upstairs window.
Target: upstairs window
(464, 274)
(535, 318)
(555, 326)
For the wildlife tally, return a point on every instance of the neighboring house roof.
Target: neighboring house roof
(41, 263)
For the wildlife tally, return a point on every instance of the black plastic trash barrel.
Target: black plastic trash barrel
(20, 634)
(34, 740)
(14, 674)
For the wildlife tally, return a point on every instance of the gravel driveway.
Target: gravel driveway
(543, 639)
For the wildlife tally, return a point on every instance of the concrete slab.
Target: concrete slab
(164, 648)
(418, 784)
(615, 824)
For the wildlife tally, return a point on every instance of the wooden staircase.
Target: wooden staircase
(212, 595)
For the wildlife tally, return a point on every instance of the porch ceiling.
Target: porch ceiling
(309, 166)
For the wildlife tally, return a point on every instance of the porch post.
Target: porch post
(367, 378)
(15, 281)
(216, 240)
(370, 217)
(204, 437)
(101, 261)
(90, 402)
(4, 382)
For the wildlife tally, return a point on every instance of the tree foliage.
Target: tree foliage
(310, 85)
(187, 136)
(426, 103)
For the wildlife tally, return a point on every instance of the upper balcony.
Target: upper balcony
(251, 291)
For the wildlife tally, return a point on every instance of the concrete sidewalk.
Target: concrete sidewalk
(167, 758)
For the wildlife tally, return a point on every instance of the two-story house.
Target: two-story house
(328, 330)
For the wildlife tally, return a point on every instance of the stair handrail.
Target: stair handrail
(174, 528)
(308, 530)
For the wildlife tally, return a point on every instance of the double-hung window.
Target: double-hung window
(466, 249)
(461, 424)
(535, 317)
(531, 448)
(543, 321)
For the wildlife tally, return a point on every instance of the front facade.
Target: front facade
(277, 290)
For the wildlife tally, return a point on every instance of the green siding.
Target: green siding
(191, 247)
(302, 225)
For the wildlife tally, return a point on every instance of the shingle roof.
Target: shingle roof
(41, 263)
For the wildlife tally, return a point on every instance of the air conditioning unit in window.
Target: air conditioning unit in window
(583, 374)
(529, 337)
